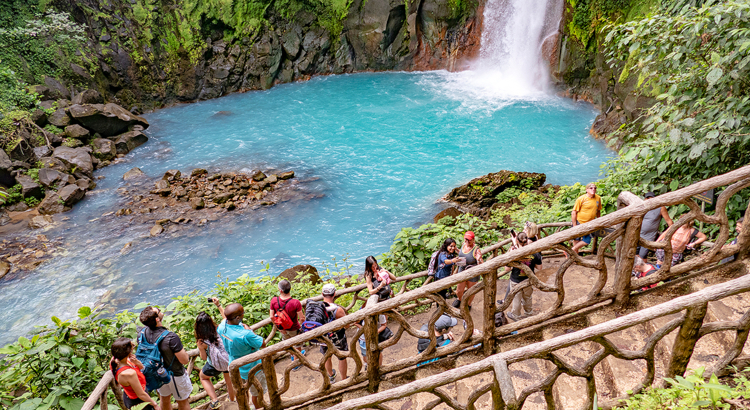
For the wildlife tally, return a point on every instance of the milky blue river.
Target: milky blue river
(377, 151)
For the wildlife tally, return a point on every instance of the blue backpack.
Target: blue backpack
(156, 373)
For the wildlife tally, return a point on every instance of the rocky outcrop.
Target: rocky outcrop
(77, 159)
(107, 120)
(292, 274)
(6, 166)
(129, 141)
(136, 70)
(480, 194)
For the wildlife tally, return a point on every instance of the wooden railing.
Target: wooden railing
(625, 236)
(99, 395)
(626, 224)
(499, 392)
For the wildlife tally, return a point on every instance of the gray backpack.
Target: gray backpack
(217, 356)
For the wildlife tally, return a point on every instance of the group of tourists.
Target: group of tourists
(160, 359)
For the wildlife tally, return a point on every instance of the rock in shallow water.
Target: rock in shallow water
(133, 173)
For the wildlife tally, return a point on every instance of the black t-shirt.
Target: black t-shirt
(168, 346)
(532, 261)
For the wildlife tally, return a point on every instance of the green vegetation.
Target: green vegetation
(412, 248)
(695, 64)
(694, 391)
(76, 352)
(26, 31)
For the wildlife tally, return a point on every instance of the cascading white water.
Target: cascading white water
(512, 38)
(511, 65)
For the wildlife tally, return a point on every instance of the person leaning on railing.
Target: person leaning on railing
(446, 258)
(680, 241)
(337, 337)
(650, 224)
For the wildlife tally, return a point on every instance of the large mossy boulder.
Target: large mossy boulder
(482, 192)
(105, 119)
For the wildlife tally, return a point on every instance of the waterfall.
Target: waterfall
(512, 42)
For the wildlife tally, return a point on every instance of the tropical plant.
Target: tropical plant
(696, 65)
(412, 247)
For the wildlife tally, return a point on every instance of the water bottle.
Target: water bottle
(163, 375)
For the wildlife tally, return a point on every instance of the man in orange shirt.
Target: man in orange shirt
(587, 208)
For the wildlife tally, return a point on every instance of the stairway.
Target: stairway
(613, 377)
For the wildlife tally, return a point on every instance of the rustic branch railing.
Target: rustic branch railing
(626, 235)
(503, 395)
(626, 223)
(99, 395)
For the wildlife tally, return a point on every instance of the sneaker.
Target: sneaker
(300, 365)
(332, 377)
(513, 317)
(457, 303)
(214, 405)
(527, 314)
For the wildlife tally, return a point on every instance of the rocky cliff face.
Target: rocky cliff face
(137, 70)
(584, 73)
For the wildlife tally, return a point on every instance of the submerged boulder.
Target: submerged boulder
(106, 119)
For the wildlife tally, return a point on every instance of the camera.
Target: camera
(210, 300)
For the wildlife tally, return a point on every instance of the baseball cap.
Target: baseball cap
(649, 195)
(445, 322)
(329, 289)
(469, 235)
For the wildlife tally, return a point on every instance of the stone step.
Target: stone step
(528, 372)
(624, 374)
(568, 390)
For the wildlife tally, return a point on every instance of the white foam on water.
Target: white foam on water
(510, 66)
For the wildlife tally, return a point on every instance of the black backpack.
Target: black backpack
(316, 315)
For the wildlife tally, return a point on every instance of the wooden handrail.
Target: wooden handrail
(630, 208)
(429, 384)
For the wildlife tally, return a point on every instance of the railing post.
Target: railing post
(507, 391)
(626, 247)
(373, 353)
(490, 291)
(103, 400)
(240, 388)
(685, 341)
(118, 393)
(273, 387)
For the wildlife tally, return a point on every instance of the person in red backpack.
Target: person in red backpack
(285, 312)
(127, 371)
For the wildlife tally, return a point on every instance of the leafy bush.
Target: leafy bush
(696, 64)
(692, 392)
(77, 351)
(26, 54)
(412, 247)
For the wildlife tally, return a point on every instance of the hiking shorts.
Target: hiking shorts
(338, 338)
(179, 387)
(210, 371)
(586, 238)
(262, 379)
